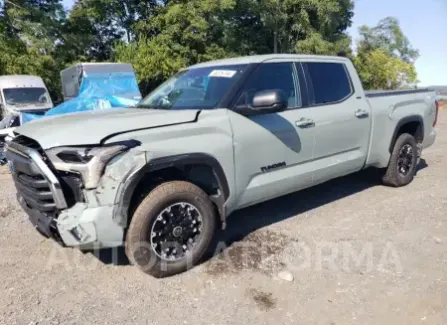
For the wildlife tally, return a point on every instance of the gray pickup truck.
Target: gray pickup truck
(216, 137)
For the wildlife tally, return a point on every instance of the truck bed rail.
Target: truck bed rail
(383, 93)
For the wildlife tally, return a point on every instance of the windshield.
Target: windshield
(23, 96)
(201, 88)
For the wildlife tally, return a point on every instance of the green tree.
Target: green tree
(90, 32)
(93, 27)
(181, 32)
(30, 30)
(379, 70)
(186, 32)
(389, 37)
(294, 26)
(385, 57)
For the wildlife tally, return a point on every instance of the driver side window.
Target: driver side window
(271, 76)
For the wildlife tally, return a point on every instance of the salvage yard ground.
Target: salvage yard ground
(443, 104)
(360, 253)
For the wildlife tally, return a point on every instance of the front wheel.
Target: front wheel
(403, 162)
(171, 229)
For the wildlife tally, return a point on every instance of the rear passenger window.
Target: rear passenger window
(330, 82)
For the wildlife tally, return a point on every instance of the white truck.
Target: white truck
(216, 137)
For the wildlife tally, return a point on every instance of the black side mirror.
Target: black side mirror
(269, 101)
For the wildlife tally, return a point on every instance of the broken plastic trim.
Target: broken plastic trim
(89, 162)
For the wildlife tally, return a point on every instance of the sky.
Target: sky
(424, 22)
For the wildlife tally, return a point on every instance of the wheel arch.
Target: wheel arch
(174, 168)
(413, 125)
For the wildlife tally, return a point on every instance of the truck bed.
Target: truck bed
(392, 107)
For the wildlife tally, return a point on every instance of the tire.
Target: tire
(146, 221)
(393, 177)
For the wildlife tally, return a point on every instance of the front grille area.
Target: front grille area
(29, 180)
(35, 191)
(42, 187)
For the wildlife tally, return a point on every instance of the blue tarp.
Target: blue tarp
(97, 92)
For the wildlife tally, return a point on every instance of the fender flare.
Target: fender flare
(403, 121)
(126, 193)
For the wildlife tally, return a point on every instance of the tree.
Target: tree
(30, 30)
(385, 57)
(34, 22)
(297, 26)
(389, 37)
(379, 70)
(184, 32)
(90, 32)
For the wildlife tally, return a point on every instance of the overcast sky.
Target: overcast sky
(423, 21)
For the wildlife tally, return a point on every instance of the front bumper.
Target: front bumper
(45, 224)
(89, 228)
(80, 226)
(86, 223)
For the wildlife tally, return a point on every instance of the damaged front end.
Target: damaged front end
(70, 193)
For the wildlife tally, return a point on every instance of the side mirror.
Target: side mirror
(269, 101)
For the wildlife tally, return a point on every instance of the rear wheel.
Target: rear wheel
(171, 229)
(403, 162)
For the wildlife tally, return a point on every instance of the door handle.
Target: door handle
(305, 123)
(361, 113)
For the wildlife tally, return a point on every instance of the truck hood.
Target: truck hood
(89, 128)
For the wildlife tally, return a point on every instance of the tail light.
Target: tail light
(437, 111)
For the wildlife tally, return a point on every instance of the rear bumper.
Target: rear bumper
(430, 139)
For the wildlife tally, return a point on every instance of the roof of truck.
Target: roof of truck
(15, 81)
(267, 57)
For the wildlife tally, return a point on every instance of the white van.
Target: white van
(23, 94)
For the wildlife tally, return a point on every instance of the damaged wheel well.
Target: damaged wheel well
(199, 169)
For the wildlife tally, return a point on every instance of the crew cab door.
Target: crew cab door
(272, 153)
(342, 119)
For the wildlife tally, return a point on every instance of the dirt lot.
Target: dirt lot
(360, 253)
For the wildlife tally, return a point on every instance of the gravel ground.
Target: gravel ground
(359, 253)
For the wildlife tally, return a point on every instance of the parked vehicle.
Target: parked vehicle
(100, 79)
(94, 86)
(21, 93)
(216, 137)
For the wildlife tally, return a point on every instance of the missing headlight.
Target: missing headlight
(80, 156)
(89, 162)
